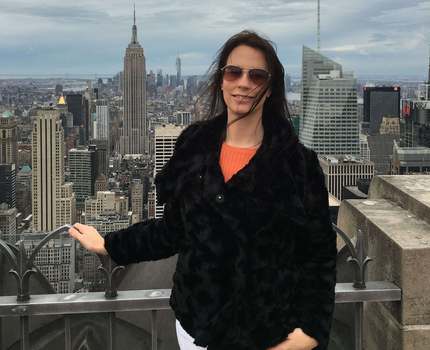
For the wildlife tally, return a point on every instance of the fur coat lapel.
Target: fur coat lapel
(278, 162)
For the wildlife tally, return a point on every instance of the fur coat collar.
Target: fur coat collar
(278, 162)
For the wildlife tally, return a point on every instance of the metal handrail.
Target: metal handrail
(110, 301)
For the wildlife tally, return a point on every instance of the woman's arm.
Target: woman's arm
(315, 294)
(151, 239)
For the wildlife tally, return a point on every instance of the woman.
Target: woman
(246, 209)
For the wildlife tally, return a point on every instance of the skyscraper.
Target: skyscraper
(329, 123)
(23, 191)
(415, 117)
(159, 80)
(101, 127)
(165, 140)
(8, 185)
(83, 168)
(133, 139)
(75, 106)
(136, 198)
(428, 80)
(379, 102)
(8, 138)
(313, 64)
(102, 156)
(53, 202)
(8, 223)
(178, 71)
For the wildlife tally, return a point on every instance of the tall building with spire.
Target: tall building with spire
(134, 139)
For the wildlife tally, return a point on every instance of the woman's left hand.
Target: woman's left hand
(296, 340)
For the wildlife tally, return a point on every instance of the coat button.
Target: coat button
(219, 198)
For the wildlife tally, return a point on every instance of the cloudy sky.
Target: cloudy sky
(369, 37)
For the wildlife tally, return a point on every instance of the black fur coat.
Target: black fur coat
(257, 254)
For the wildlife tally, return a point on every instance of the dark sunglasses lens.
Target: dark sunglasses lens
(232, 73)
(258, 76)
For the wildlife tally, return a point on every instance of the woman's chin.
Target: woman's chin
(241, 110)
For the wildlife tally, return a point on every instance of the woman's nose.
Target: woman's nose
(244, 80)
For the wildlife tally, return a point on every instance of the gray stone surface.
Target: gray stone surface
(396, 223)
(411, 192)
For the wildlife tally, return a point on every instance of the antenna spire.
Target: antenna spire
(318, 27)
(428, 78)
(134, 28)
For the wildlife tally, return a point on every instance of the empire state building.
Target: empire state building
(134, 128)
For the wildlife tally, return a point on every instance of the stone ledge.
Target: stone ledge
(411, 192)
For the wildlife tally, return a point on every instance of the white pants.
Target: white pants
(186, 341)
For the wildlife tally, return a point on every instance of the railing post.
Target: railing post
(25, 337)
(359, 261)
(154, 329)
(110, 330)
(1, 333)
(358, 325)
(67, 333)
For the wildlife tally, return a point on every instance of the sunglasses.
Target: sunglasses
(256, 75)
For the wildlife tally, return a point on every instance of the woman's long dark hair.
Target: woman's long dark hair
(275, 107)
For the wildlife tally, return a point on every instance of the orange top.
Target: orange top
(233, 158)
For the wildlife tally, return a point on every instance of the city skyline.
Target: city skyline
(90, 38)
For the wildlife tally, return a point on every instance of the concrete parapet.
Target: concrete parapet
(395, 220)
(411, 192)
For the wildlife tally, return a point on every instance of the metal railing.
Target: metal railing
(25, 306)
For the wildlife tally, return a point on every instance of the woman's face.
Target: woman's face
(240, 94)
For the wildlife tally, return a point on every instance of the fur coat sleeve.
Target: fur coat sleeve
(152, 239)
(315, 293)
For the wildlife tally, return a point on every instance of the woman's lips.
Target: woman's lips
(242, 98)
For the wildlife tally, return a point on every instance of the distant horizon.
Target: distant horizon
(94, 76)
(370, 38)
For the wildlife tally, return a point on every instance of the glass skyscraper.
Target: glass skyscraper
(329, 122)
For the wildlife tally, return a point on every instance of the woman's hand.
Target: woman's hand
(296, 340)
(89, 238)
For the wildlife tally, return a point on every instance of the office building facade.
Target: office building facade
(53, 201)
(8, 138)
(8, 185)
(342, 171)
(329, 123)
(8, 223)
(82, 167)
(379, 102)
(165, 137)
